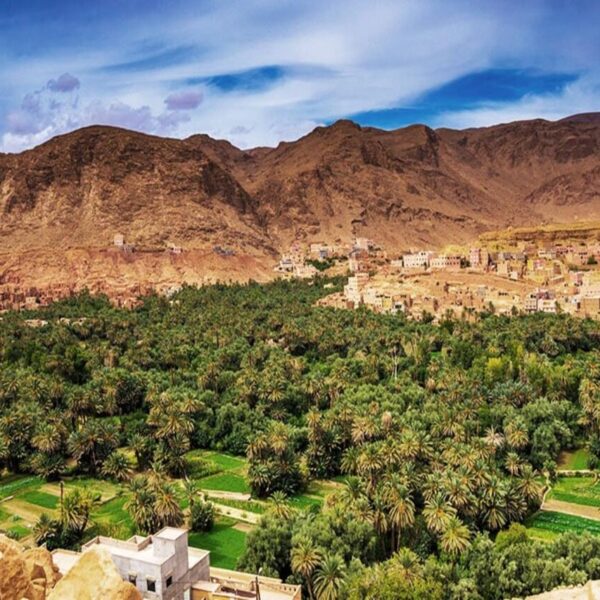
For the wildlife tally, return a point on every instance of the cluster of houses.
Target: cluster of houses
(556, 278)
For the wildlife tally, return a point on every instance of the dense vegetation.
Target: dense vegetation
(443, 434)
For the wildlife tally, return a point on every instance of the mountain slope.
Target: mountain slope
(409, 187)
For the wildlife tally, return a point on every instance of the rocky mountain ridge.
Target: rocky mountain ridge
(62, 202)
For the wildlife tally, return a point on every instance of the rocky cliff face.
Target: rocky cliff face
(25, 574)
(62, 202)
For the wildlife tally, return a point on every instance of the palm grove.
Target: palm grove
(442, 434)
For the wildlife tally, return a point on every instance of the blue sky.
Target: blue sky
(257, 72)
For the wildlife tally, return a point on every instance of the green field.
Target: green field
(575, 460)
(11, 485)
(226, 462)
(225, 543)
(42, 499)
(549, 524)
(578, 490)
(225, 482)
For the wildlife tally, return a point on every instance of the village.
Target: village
(505, 278)
(520, 277)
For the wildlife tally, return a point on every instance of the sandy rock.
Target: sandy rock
(25, 574)
(94, 577)
(589, 591)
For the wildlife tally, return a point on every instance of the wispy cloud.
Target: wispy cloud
(259, 71)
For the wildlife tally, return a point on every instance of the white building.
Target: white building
(417, 260)
(119, 240)
(161, 566)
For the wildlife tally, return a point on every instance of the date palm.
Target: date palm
(280, 506)
(117, 467)
(438, 513)
(455, 538)
(305, 559)
(330, 578)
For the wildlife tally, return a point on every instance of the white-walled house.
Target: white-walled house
(161, 566)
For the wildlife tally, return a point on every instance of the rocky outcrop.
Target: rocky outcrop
(25, 574)
(589, 591)
(94, 577)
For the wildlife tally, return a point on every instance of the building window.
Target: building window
(132, 578)
(169, 580)
(151, 585)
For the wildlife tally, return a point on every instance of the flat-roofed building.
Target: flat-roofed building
(417, 260)
(161, 566)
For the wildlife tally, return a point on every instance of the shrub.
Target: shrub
(202, 516)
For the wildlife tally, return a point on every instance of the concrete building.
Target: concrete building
(354, 289)
(163, 567)
(119, 240)
(446, 262)
(417, 260)
(362, 244)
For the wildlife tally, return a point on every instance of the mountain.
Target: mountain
(62, 202)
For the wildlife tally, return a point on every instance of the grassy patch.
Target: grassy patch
(13, 484)
(112, 518)
(226, 462)
(19, 531)
(578, 490)
(225, 482)
(574, 461)
(303, 502)
(225, 544)
(40, 498)
(556, 523)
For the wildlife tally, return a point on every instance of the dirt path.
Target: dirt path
(568, 508)
(245, 527)
(226, 495)
(236, 513)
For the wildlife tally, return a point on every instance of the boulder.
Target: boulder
(25, 574)
(94, 577)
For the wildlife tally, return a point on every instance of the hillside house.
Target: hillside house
(417, 260)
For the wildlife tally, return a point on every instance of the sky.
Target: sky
(258, 72)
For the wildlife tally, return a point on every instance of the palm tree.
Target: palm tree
(166, 507)
(141, 504)
(456, 537)
(369, 464)
(438, 513)
(330, 578)
(516, 434)
(401, 507)
(512, 462)
(117, 467)
(76, 508)
(305, 559)
(528, 485)
(45, 529)
(279, 505)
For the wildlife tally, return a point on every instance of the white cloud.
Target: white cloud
(376, 55)
(578, 97)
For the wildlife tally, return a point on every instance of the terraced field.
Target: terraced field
(547, 524)
(577, 490)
